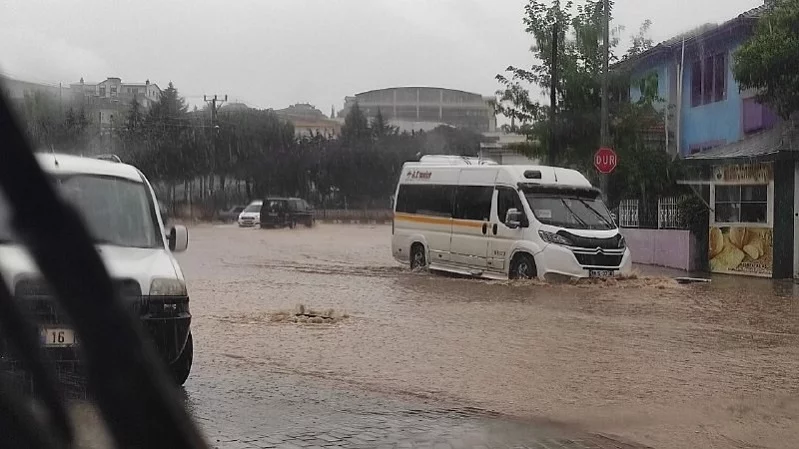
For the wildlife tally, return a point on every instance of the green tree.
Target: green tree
(380, 126)
(769, 61)
(356, 126)
(578, 87)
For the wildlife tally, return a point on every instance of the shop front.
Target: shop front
(750, 188)
(741, 234)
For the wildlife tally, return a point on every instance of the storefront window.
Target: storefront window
(742, 204)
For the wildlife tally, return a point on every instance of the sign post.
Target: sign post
(605, 161)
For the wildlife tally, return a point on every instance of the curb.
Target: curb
(355, 222)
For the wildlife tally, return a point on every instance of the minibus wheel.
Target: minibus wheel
(523, 267)
(418, 259)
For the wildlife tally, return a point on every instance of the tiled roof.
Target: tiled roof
(761, 145)
(702, 30)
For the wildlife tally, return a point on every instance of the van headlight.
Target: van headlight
(622, 242)
(168, 287)
(551, 237)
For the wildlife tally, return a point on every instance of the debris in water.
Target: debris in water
(303, 314)
(690, 280)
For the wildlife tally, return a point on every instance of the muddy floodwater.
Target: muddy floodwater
(662, 364)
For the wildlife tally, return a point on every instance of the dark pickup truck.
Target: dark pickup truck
(282, 212)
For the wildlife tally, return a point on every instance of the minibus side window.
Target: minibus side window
(507, 198)
(473, 202)
(433, 200)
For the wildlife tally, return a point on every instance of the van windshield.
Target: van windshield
(252, 208)
(116, 211)
(571, 211)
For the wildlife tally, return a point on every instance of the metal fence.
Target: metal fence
(667, 215)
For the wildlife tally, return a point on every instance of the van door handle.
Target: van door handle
(495, 229)
(485, 228)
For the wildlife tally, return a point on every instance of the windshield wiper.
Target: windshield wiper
(574, 214)
(596, 212)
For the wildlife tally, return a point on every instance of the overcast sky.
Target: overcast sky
(273, 53)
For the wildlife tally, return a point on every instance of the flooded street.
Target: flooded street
(647, 359)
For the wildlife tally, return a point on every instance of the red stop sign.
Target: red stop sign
(605, 161)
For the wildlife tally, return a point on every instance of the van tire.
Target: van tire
(181, 367)
(418, 258)
(523, 267)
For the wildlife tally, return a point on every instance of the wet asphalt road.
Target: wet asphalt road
(421, 358)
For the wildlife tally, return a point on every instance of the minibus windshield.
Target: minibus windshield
(570, 211)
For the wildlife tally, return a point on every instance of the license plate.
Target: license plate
(600, 273)
(57, 337)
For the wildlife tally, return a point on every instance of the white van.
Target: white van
(499, 222)
(251, 215)
(121, 213)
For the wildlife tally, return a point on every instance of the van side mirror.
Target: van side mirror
(614, 218)
(514, 218)
(178, 239)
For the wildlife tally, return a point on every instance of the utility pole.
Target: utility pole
(605, 127)
(214, 108)
(215, 102)
(553, 96)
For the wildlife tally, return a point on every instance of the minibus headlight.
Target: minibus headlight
(551, 237)
(622, 242)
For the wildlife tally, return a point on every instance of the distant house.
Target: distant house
(110, 99)
(746, 161)
(17, 89)
(309, 121)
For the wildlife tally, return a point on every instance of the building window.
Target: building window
(741, 203)
(700, 147)
(709, 80)
(102, 91)
(113, 90)
(757, 117)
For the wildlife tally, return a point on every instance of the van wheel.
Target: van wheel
(182, 366)
(418, 259)
(293, 224)
(309, 222)
(523, 267)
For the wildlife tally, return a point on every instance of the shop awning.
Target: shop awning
(768, 146)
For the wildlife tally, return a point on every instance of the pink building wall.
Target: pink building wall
(662, 247)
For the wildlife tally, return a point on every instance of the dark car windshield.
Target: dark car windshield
(116, 211)
(570, 212)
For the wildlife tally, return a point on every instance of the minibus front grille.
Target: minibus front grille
(579, 241)
(599, 260)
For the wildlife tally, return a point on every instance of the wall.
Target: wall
(718, 122)
(662, 247)
(662, 70)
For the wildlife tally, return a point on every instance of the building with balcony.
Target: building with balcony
(425, 108)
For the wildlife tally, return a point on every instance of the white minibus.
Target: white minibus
(504, 221)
